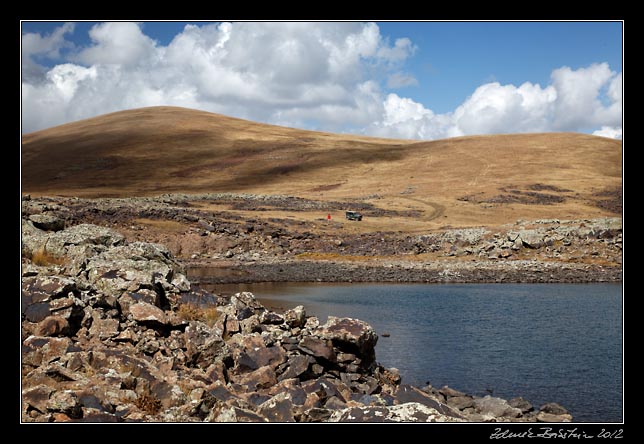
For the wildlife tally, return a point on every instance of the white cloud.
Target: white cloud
(573, 102)
(318, 75)
(495, 108)
(401, 80)
(49, 45)
(578, 97)
(609, 131)
(407, 119)
(261, 71)
(120, 43)
(399, 110)
(36, 45)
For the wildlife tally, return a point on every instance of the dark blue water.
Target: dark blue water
(546, 342)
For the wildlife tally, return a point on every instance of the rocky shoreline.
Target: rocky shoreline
(114, 331)
(323, 271)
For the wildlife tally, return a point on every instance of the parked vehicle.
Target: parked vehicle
(353, 215)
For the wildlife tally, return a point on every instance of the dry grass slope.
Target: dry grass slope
(476, 180)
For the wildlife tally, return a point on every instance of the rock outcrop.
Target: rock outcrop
(116, 333)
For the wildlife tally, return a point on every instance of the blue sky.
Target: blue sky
(420, 80)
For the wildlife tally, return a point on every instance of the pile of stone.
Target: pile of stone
(107, 337)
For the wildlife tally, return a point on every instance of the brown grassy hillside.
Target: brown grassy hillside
(476, 180)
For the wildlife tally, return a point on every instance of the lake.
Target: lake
(545, 342)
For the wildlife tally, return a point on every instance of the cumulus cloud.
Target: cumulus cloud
(120, 43)
(35, 45)
(274, 72)
(578, 97)
(609, 131)
(574, 101)
(322, 75)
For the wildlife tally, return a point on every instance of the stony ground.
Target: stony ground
(238, 238)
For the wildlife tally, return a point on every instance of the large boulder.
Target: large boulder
(132, 267)
(33, 239)
(47, 222)
(319, 348)
(351, 336)
(83, 234)
(528, 238)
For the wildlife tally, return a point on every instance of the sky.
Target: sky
(411, 80)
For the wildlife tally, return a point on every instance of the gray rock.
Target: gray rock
(450, 392)
(33, 239)
(360, 414)
(271, 318)
(295, 317)
(65, 402)
(549, 417)
(521, 404)
(553, 408)
(408, 412)
(236, 414)
(334, 403)
(246, 300)
(47, 222)
(532, 238)
(279, 408)
(407, 393)
(181, 282)
(496, 407)
(460, 402)
(250, 325)
(317, 414)
(81, 235)
(372, 400)
(297, 365)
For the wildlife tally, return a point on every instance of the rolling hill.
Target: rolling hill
(463, 181)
